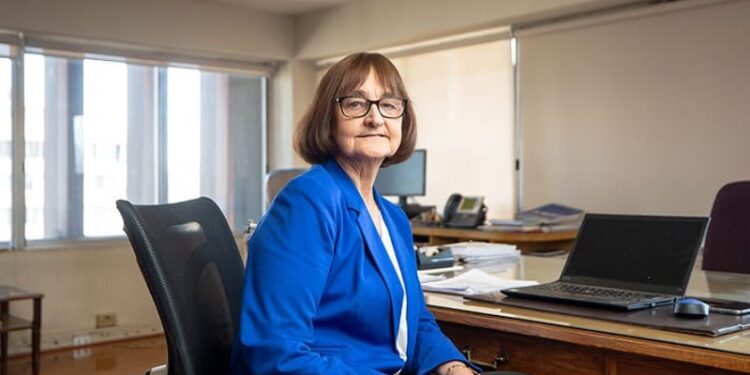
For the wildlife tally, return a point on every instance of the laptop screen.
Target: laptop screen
(650, 253)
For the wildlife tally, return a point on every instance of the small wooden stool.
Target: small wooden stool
(10, 323)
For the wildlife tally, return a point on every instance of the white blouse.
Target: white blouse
(403, 330)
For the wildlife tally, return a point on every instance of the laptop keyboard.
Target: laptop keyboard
(609, 293)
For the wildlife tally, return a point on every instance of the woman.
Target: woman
(331, 284)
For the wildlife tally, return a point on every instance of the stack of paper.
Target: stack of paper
(499, 225)
(473, 282)
(482, 254)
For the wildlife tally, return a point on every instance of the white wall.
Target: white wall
(643, 112)
(193, 26)
(290, 92)
(78, 283)
(371, 24)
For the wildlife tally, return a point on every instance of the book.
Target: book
(507, 222)
(551, 213)
(511, 228)
(562, 227)
(551, 217)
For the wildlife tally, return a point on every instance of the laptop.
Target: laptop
(625, 262)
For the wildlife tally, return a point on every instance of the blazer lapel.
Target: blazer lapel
(384, 266)
(373, 243)
(411, 281)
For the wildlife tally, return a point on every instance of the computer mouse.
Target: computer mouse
(691, 308)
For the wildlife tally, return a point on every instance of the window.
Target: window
(184, 118)
(100, 130)
(6, 121)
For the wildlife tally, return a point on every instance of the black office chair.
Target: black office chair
(194, 271)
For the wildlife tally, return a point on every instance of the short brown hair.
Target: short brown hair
(314, 138)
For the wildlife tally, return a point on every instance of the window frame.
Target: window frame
(76, 48)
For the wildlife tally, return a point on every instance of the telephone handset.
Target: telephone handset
(464, 212)
(450, 207)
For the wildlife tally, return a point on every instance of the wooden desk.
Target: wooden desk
(544, 343)
(10, 323)
(526, 241)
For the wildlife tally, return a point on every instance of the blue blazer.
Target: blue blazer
(321, 295)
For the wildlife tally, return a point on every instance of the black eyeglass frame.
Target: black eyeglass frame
(340, 99)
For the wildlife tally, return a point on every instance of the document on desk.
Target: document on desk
(428, 278)
(472, 282)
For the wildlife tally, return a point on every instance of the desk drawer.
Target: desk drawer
(539, 356)
(530, 355)
(623, 364)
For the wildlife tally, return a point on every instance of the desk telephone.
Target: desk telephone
(464, 212)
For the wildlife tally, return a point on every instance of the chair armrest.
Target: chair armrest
(158, 370)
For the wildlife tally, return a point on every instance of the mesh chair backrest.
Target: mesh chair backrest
(277, 179)
(193, 269)
(728, 238)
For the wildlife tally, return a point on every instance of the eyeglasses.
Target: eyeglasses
(355, 106)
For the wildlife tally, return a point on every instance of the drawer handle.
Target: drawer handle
(500, 360)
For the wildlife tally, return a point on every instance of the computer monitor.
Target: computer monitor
(405, 179)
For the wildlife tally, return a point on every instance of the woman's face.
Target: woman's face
(372, 137)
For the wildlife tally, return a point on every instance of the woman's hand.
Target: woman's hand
(455, 368)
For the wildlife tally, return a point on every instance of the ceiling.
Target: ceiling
(283, 7)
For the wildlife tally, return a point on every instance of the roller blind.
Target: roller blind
(642, 112)
(67, 47)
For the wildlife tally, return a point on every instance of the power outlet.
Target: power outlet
(106, 320)
(82, 340)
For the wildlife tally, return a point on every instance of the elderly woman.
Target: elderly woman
(331, 284)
